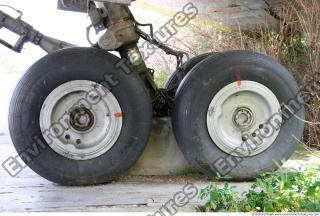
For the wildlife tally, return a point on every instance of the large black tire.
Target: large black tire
(173, 79)
(79, 64)
(191, 104)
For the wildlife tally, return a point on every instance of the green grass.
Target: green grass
(272, 192)
(160, 79)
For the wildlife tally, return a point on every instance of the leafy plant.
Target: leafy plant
(272, 192)
(220, 199)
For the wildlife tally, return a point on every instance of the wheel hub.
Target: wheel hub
(243, 118)
(237, 115)
(80, 117)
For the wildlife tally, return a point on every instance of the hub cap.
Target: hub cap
(81, 120)
(243, 117)
(239, 115)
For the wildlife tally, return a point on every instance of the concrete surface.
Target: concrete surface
(162, 155)
(233, 13)
(30, 192)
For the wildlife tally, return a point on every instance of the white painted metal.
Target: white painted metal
(81, 120)
(238, 117)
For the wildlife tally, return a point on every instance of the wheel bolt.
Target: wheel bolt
(93, 96)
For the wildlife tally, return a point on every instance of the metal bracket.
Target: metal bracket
(28, 34)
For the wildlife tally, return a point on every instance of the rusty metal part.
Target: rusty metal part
(81, 119)
(119, 34)
(123, 35)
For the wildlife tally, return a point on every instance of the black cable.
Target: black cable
(147, 24)
(179, 55)
(88, 35)
(141, 24)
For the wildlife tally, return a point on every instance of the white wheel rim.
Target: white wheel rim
(240, 110)
(81, 120)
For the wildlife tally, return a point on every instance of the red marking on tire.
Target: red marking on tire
(238, 79)
(118, 115)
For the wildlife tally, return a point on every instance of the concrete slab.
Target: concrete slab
(233, 13)
(30, 192)
(162, 155)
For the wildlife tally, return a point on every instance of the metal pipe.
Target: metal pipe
(28, 34)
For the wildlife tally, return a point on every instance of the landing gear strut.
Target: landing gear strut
(92, 111)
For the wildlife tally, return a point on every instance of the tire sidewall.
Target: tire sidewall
(80, 64)
(186, 67)
(203, 83)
